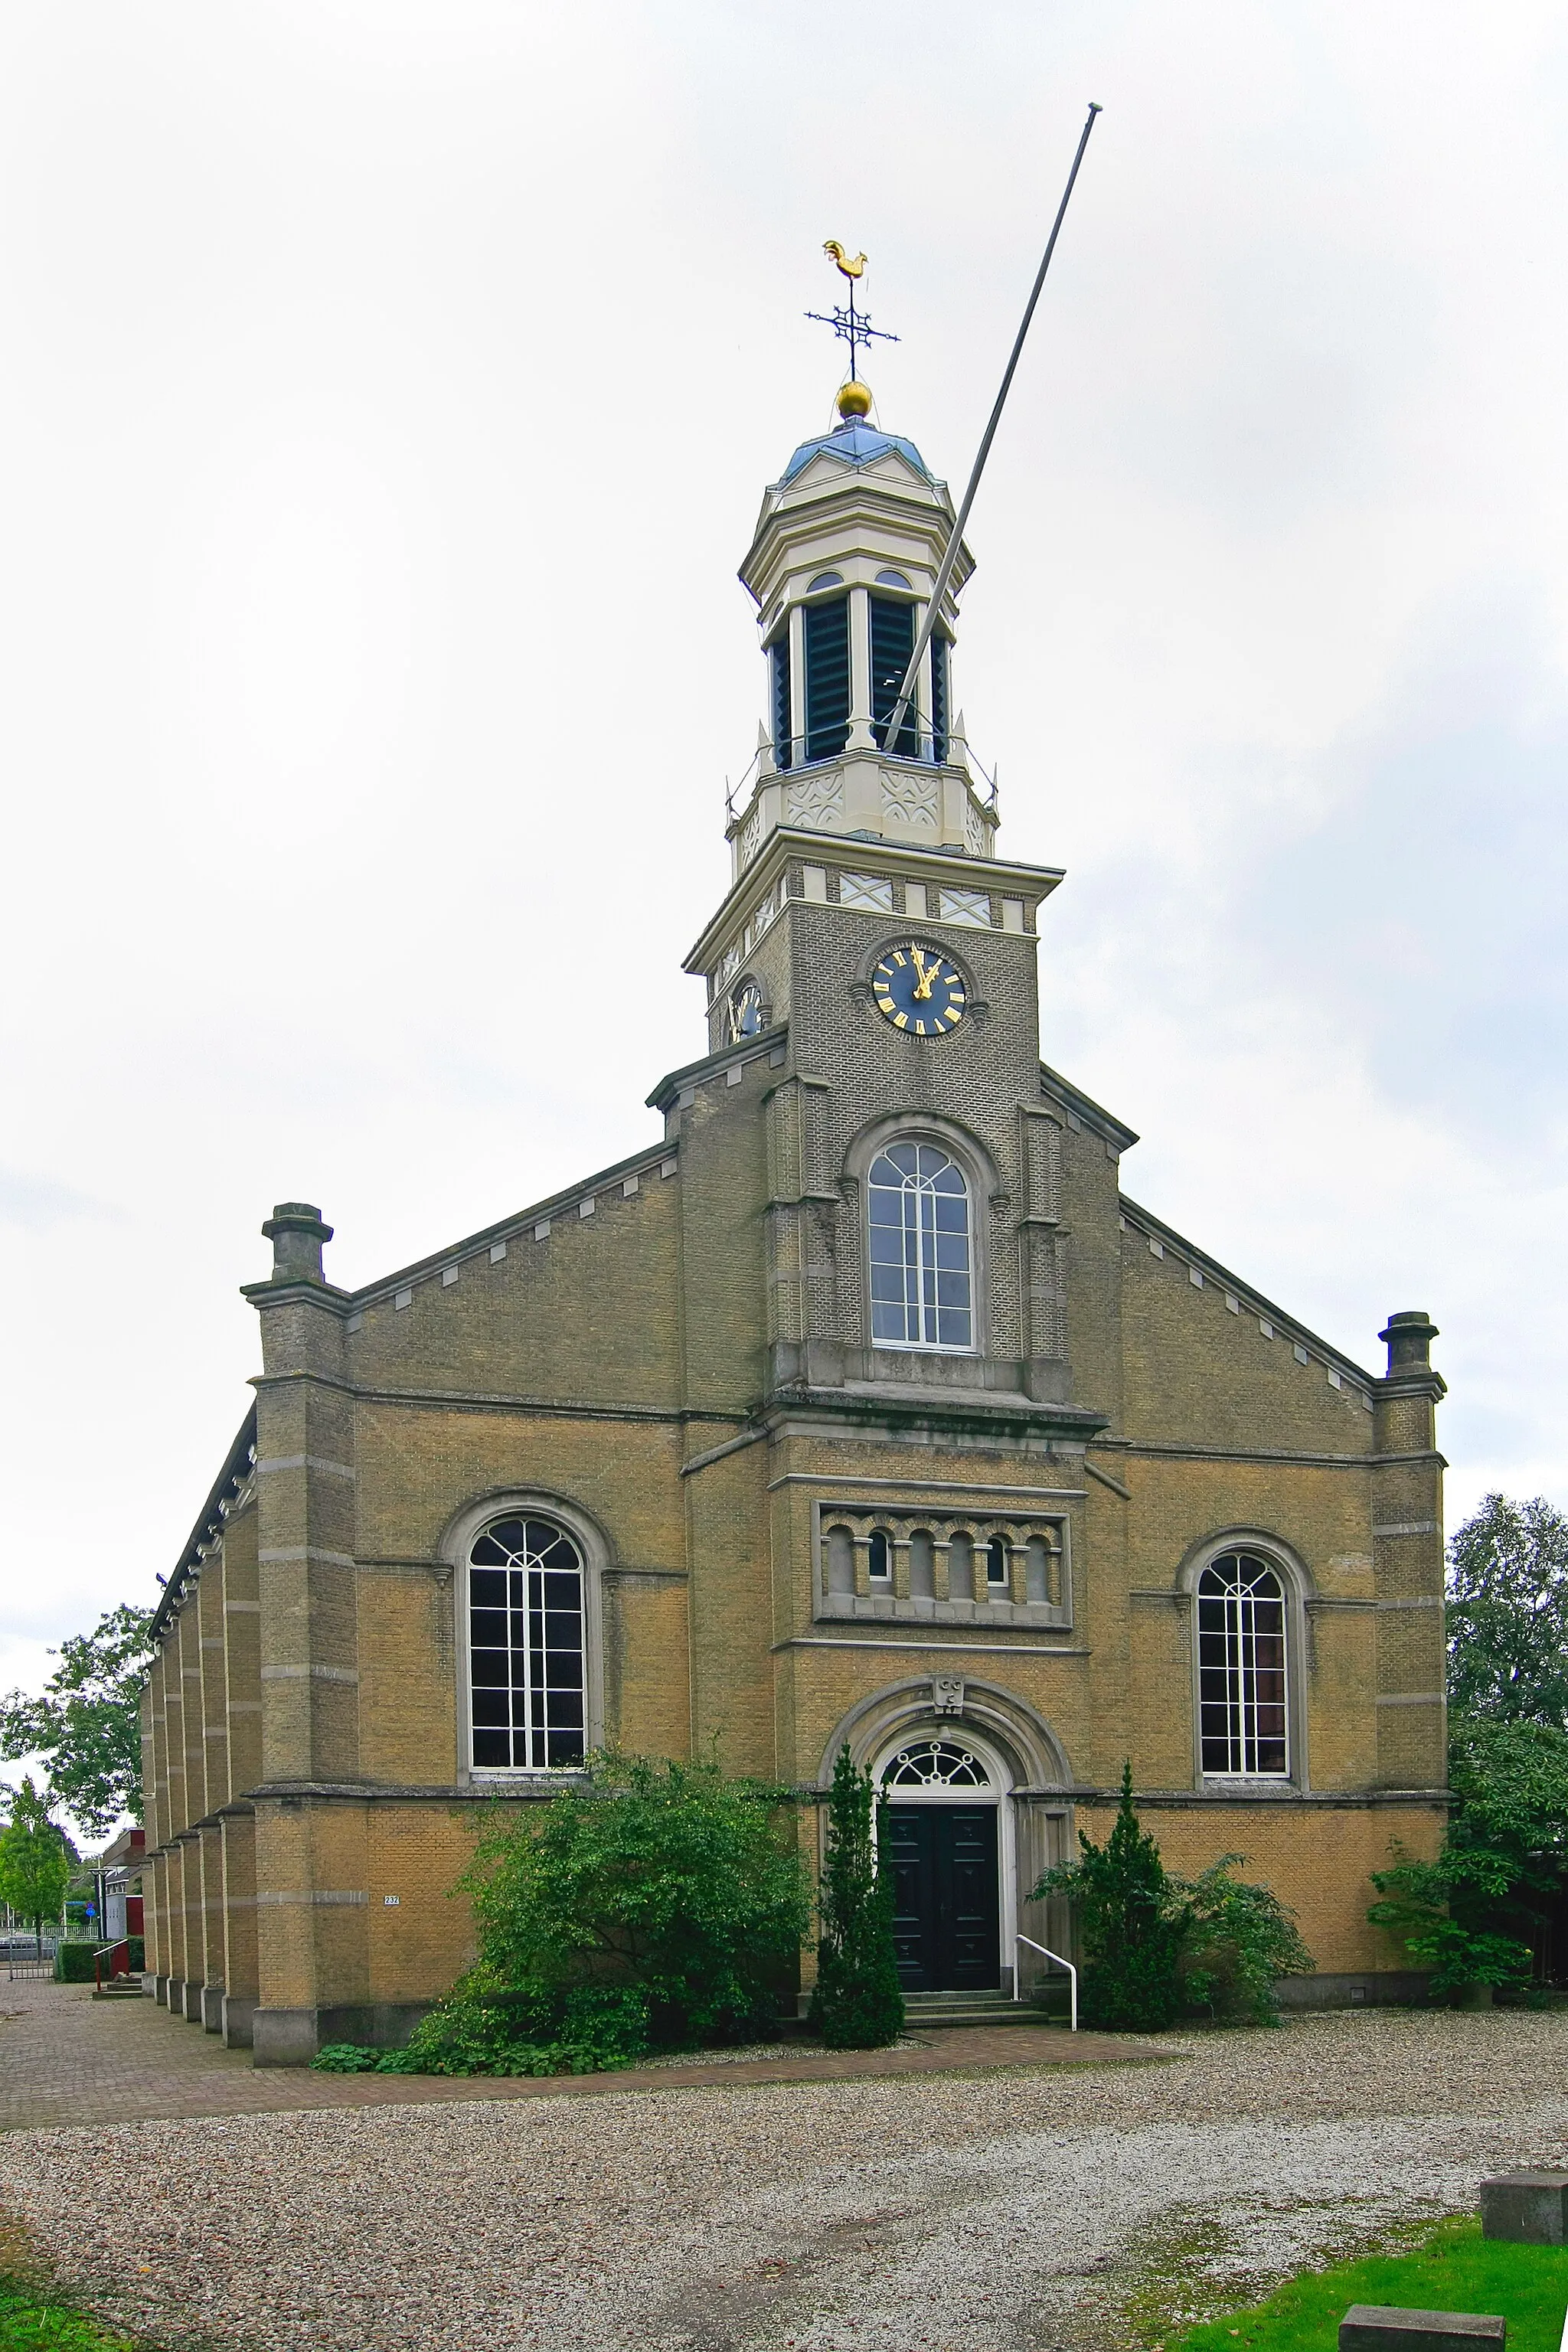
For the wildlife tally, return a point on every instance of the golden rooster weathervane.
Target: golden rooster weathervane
(855, 326)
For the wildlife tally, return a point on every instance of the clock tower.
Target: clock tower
(874, 936)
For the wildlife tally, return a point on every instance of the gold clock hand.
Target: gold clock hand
(926, 974)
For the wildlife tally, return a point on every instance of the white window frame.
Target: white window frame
(1239, 1636)
(924, 1345)
(456, 1546)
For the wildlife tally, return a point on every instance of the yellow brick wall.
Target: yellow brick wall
(620, 1365)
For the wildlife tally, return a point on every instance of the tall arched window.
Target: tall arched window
(921, 1275)
(1241, 1667)
(525, 1638)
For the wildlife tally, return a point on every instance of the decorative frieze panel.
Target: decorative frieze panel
(943, 1568)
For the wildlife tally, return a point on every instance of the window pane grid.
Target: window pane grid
(525, 1633)
(921, 1279)
(1242, 1699)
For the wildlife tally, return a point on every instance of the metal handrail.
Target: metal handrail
(112, 1951)
(1017, 1988)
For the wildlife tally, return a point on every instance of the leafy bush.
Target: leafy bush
(484, 2027)
(344, 2058)
(668, 1878)
(1422, 1904)
(657, 1902)
(859, 2003)
(1153, 1945)
(1130, 1924)
(1473, 1915)
(1236, 1938)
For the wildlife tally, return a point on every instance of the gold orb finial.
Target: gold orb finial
(854, 400)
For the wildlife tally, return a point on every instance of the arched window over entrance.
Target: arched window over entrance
(525, 1647)
(1242, 1709)
(935, 1764)
(921, 1283)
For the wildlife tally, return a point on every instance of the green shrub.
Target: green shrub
(657, 1902)
(73, 1962)
(1153, 1945)
(484, 2027)
(1439, 1912)
(344, 2058)
(859, 2003)
(1235, 1939)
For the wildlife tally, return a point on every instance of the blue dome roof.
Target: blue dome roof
(856, 444)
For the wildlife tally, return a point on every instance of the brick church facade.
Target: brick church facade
(862, 1406)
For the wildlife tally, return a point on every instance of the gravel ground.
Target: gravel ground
(1024, 2207)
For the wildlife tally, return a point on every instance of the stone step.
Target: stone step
(945, 2009)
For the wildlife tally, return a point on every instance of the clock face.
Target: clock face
(746, 1011)
(919, 991)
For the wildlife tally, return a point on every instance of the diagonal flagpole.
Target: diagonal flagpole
(949, 555)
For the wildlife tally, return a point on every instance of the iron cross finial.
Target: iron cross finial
(855, 326)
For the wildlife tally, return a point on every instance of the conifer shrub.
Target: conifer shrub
(1155, 1945)
(859, 2003)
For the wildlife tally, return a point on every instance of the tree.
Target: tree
(859, 2003)
(86, 1722)
(1130, 1921)
(35, 1862)
(1508, 1613)
(1479, 1913)
(1473, 1915)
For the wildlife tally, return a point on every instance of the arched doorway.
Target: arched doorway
(946, 1799)
(1017, 1774)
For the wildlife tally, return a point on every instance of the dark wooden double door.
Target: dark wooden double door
(946, 1923)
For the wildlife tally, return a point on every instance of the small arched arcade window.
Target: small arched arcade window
(921, 1282)
(525, 1647)
(1242, 1714)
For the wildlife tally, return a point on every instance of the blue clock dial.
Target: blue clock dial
(919, 991)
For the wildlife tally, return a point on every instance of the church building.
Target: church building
(863, 1406)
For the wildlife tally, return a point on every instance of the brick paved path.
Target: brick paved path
(67, 2058)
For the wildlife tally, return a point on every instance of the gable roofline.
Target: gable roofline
(770, 1041)
(1085, 1109)
(506, 1229)
(1154, 1228)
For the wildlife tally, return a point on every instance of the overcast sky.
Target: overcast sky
(387, 396)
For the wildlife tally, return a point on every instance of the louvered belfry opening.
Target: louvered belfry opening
(892, 643)
(778, 660)
(938, 722)
(827, 677)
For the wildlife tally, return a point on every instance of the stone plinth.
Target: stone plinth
(1530, 2209)
(1384, 2327)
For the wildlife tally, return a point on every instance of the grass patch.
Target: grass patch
(33, 2318)
(1456, 2269)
